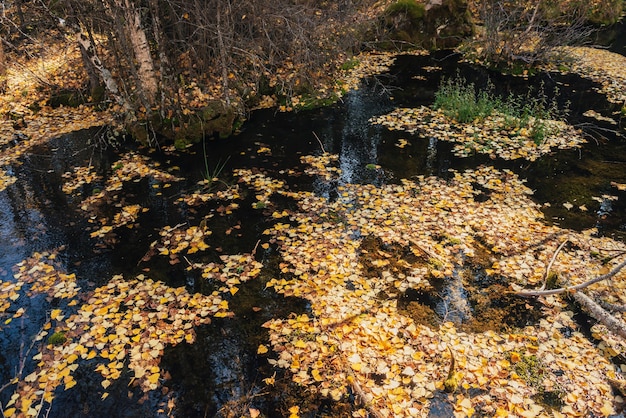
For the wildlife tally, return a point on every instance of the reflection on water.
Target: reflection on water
(36, 216)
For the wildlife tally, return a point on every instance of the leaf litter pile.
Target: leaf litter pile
(356, 340)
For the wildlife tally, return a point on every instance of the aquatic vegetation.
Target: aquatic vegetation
(494, 135)
(533, 112)
(459, 100)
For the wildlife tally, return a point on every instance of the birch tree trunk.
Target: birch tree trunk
(106, 76)
(141, 48)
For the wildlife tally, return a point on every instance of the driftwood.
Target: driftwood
(612, 323)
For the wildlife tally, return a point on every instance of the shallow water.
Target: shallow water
(222, 366)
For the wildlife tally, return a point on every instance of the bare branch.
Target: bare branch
(545, 276)
(572, 289)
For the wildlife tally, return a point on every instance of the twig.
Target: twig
(318, 140)
(255, 247)
(545, 276)
(527, 293)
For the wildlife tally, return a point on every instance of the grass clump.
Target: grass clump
(458, 100)
(529, 113)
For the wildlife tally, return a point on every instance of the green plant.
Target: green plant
(350, 64)
(57, 338)
(211, 175)
(459, 100)
(534, 372)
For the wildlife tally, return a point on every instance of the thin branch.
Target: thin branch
(547, 273)
(572, 289)
(318, 140)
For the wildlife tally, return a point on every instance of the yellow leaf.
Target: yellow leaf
(300, 344)
(104, 395)
(262, 349)
(356, 366)
(31, 377)
(70, 383)
(9, 412)
(154, 378)
(55, 313)
(106, 383)
(270, 380)
(233, 290)
(72, 358)
(316, 375)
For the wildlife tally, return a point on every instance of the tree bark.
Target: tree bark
(3, 62)
(105, 74)
(612, 323)
(141, 48)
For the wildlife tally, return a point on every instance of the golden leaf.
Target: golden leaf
(262, 349)
(70, 383)
(154, 378)
(316, 375)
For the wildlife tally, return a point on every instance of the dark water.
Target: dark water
(222, 366)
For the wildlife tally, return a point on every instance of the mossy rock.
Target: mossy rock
(435, 24)
(409, 8)
(607, 12)
(214, 120)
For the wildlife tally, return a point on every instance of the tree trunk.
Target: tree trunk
(94, 80)
(104, 73)
(141, 48)
(223, 56)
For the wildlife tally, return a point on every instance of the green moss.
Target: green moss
(534, 372)
(57, 338)
(311, 102)
(411, 8)
(180, 144)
